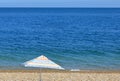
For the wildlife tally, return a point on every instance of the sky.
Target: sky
(59, 3)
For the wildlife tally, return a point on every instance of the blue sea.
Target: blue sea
(75, 38)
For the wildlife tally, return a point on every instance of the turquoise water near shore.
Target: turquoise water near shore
(75, 38)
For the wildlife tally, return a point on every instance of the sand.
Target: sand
(50, 75)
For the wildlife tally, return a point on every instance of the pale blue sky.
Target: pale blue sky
(59, 3)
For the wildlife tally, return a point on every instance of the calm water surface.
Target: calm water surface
(73, 38)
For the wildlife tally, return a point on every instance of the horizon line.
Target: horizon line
(59, 7)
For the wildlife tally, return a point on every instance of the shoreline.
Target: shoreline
(60, 71)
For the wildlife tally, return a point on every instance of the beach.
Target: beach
(55, 75)
(74, 38)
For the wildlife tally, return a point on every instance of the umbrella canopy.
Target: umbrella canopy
(42, 62)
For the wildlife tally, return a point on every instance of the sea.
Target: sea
(74, 38)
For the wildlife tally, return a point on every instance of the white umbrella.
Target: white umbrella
(42, 62)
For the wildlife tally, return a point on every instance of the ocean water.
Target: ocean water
(75, 38)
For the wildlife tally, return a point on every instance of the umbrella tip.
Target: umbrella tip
(42, 55)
